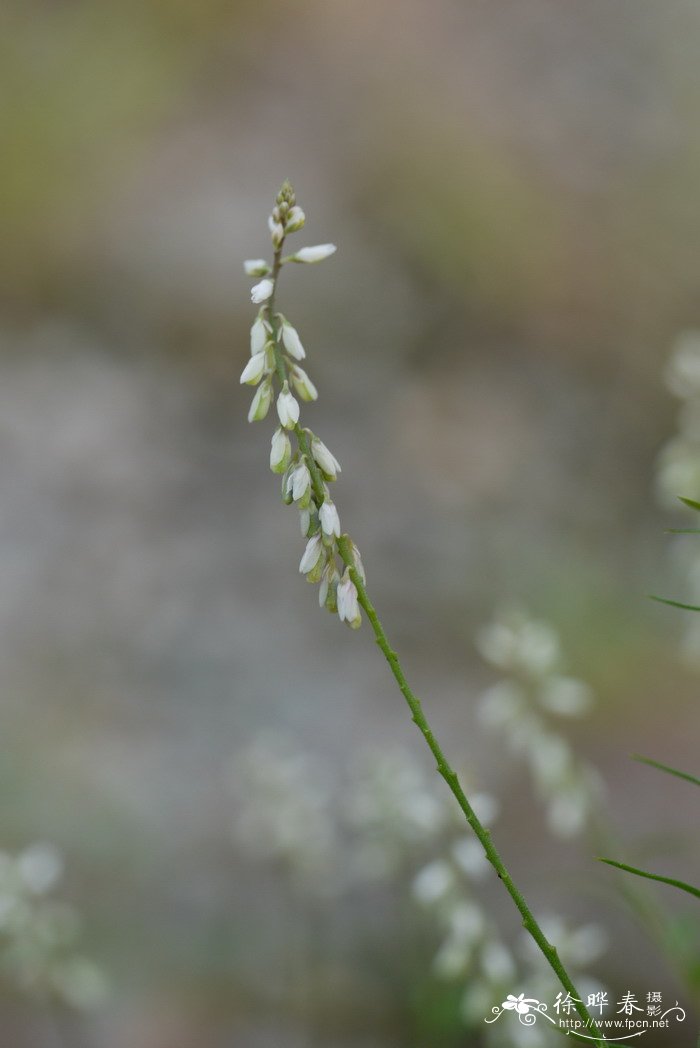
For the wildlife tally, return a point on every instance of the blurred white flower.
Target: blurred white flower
(256, 267)
(262, 291)
(313, 254)
(433, 882)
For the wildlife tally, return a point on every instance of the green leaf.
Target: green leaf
(675, 603)
(691, 503)
(665, 767)
(683, 531)
(653, 876)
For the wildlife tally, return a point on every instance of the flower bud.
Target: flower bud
(312, 556)
(330, 521)
(258, 336)
(292, 342)
(303, 384)
(305, 521)
(348, 610)
(261, 401)
(327, 462)
(357, 560)
(256, 267)
(313, 254)
(295, 219)
(287, 408)
(276, 228)
(300, 481)
(262, 291)
(287, 487)
(254, 370)
(327, 593)
(280, 451)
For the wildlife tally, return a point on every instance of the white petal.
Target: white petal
(330, 521)
(256, 267)
(292, 342)
(312, 552)
(314, 254)
(262, 291)
(254, 369)
(327, 461)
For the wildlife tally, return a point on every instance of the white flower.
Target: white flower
(258, 336)
(256, 267)
(292, 342)
(261, 401)
(348, 610)
(305, 520)
(280, 451)
(468, 854)
(287, 408)
(359, 566)
(295, 219)
(330, 521)
(566, 696)
(300, 481)
(312, 554)
(303, 384)
(40, 866)
(313, 254)
(328, 587)
(434, 881)
(276, 230)
(254, 370)
(496, 962)
(328, 462)
(262, 291)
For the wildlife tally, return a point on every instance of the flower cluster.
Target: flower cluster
(38, 934)
(519, 707)
(307, 467)
(678, 473)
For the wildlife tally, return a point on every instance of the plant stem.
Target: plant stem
(450, 776)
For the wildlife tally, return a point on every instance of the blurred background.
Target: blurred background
(219, 827)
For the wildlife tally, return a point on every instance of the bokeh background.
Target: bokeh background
(513, 187)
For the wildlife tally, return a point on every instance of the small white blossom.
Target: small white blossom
(328, 462)
(295, 219)
(312, 554)
(262, 291)
(330, 521)
(348, 610)
(303, 384)
(300, 481)
(313, 254)
(261, 401)
(256, 267)
(280, 451)
(254, 370)
(258, 336)
(287, 408)
(359, 566)
(276, 228)
(305, 520)
(292, 342)
(329, 584)
(434, 881)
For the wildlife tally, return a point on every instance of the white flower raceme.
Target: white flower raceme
(313, 553)
(256, 267)
(348, 610)
(328, 462)
(292, 342)
(262, 291)
(254, 370)
(258, 336)
(280, 451)
(303, 384)
(261, 401)
(317, 253)
(330, 521)
(287, 408)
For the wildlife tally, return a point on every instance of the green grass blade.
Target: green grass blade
(675, 603)
(691, 503)
(653, 876)
(665, 767)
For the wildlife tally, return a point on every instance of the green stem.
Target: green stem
(450, 776)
